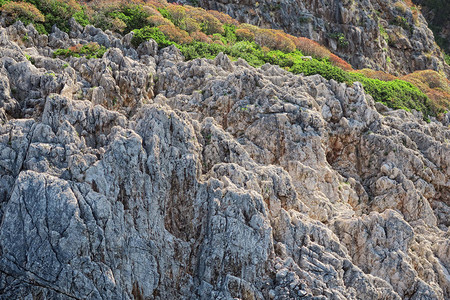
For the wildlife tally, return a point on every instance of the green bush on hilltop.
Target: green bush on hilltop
(147, 33)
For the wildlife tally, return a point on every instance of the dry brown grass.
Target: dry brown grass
(377, 74)
(309, 47)
(434, 84)
(16, 10)
(175, 34)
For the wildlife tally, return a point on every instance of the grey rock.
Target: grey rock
(216, 181)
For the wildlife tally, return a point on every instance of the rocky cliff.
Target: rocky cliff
(436, 12)
(143, 176)
(377, 34)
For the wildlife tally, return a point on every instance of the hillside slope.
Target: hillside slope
(376, 34)
(140, 175)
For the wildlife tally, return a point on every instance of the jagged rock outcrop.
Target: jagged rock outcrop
(436, 13)
(376, 34)
(210, 179)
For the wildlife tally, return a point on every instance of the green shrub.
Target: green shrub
(402, 22)
(340, 37)
(229, 32)
(164, 12)
(328, 71)
(2, 2)
(81, 18)
(133, 16)
(397, 94)
(146, 33)
(202, 50)
(59, 12)
(283, 59)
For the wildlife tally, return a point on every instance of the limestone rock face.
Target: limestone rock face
(376, 34)
(210, 179)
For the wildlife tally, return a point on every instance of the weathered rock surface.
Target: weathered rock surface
(436, 13)
(210, 179)
(377, 34)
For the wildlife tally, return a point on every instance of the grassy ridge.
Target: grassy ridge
(203, 34)
(396, 94)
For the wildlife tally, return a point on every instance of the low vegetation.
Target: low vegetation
(91, 50)
(447, 59)
(199, 33)
(434, 84)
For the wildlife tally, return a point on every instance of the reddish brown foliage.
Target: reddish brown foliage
(175, 34)
(158, 21)
(250, 27)
(245, 34)
(265, 49)
(285, 41)
(266, 37)
(434, 84)
(223, 18)
(201, 37)
(150, 10)
(76, 48)
(339, 62)
(274, 39)
(209, 23)
(309, 47)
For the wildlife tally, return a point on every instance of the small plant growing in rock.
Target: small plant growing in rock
(30, 59)
(340, 37)
(402, 22)
(90, 50)
(383, 33)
